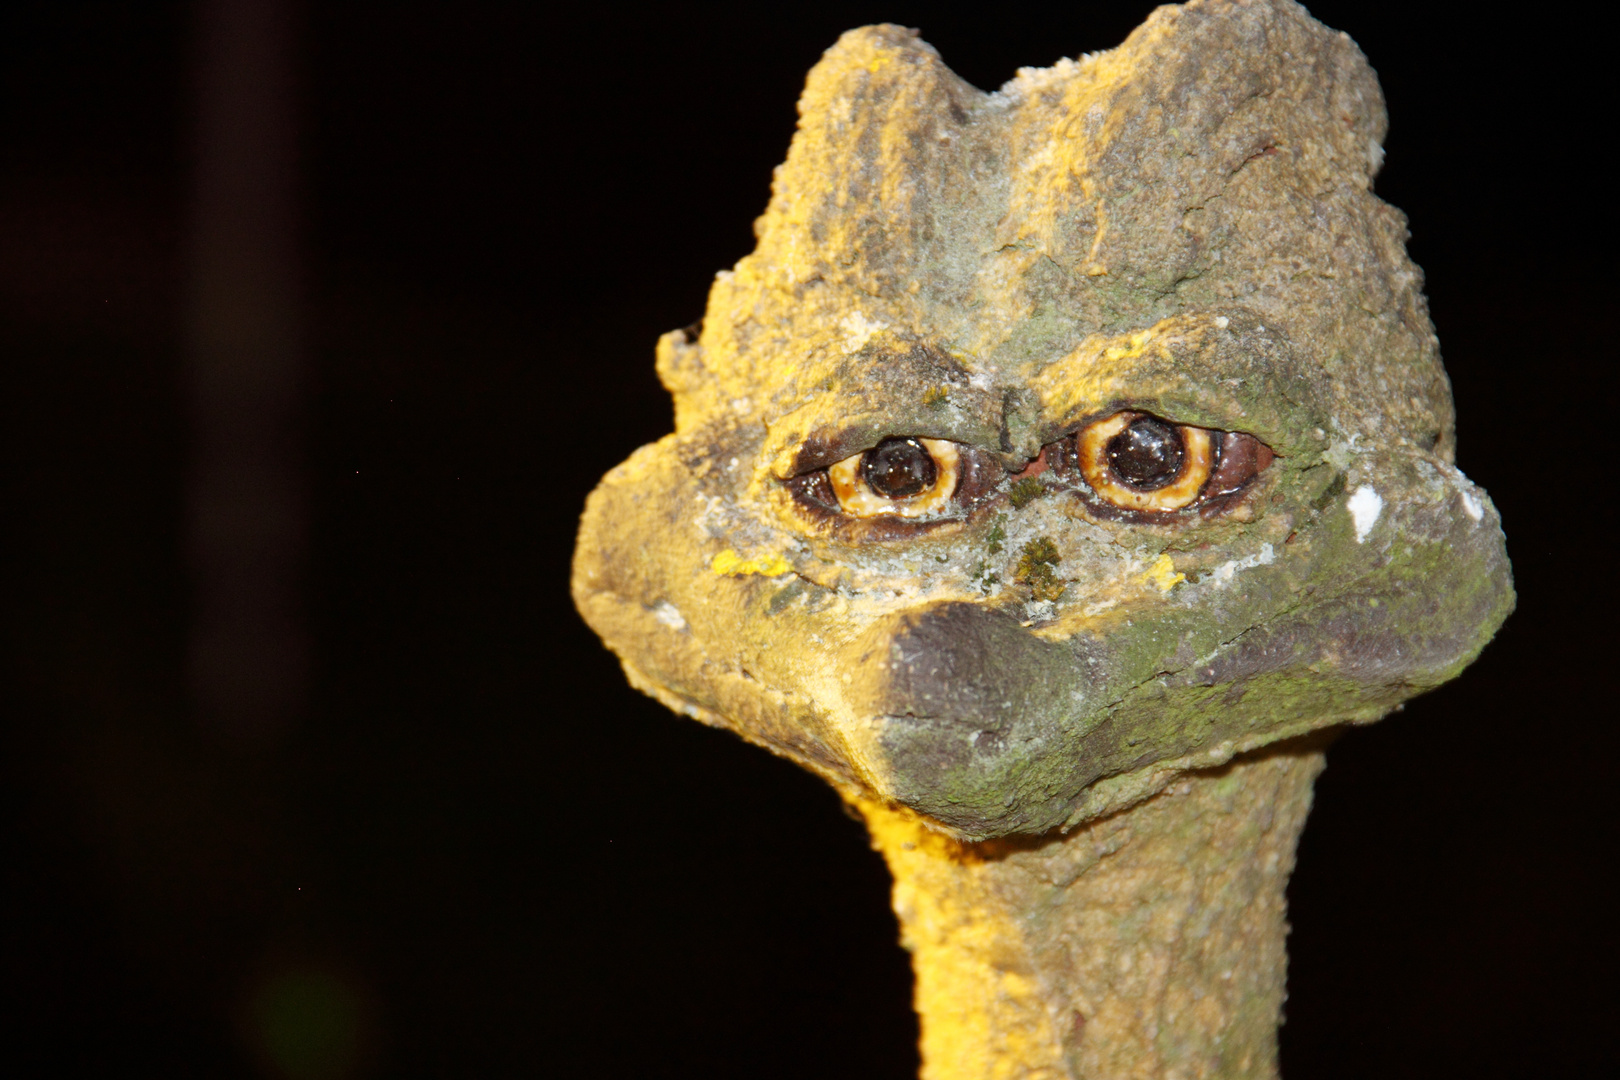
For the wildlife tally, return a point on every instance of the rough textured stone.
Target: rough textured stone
(1144, 944)
(1184, 227)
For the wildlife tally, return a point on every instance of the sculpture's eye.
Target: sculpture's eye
(1147, 454)
(903, 477)
(1139, 462)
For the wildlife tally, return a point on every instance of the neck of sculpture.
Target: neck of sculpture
(1146, 944)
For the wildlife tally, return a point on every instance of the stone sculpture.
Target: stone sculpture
(1064, 465)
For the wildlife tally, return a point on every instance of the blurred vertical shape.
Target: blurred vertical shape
(246, 509)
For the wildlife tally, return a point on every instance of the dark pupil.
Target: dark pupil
(1147, 454)
(899, 468)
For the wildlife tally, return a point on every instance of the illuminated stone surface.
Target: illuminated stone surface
(1055, 713)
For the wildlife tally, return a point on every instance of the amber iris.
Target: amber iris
(1147, 454)
(899, 477)
(899, 468)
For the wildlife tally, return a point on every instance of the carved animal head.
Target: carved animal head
(1056, 440)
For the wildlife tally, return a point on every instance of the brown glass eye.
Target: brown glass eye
(1139, 462)
(900, 477)
(899, 468)
(1148, 454)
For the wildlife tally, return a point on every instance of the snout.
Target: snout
(957, 704)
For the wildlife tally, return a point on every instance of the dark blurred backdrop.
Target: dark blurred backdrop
(316, 326)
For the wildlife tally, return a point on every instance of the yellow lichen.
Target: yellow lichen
(1163, 573)
(730, 564)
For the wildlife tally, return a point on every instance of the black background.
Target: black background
(510, 863)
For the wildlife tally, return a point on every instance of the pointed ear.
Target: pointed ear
(1201, 99)
(880, 126)
(1242, 75)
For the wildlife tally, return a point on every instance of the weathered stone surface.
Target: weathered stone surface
(1146, 944)
(1182, 227)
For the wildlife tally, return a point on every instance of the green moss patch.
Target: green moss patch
(1024, 492)
(1037, 564)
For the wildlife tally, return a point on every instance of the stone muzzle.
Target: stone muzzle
(957, 699)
